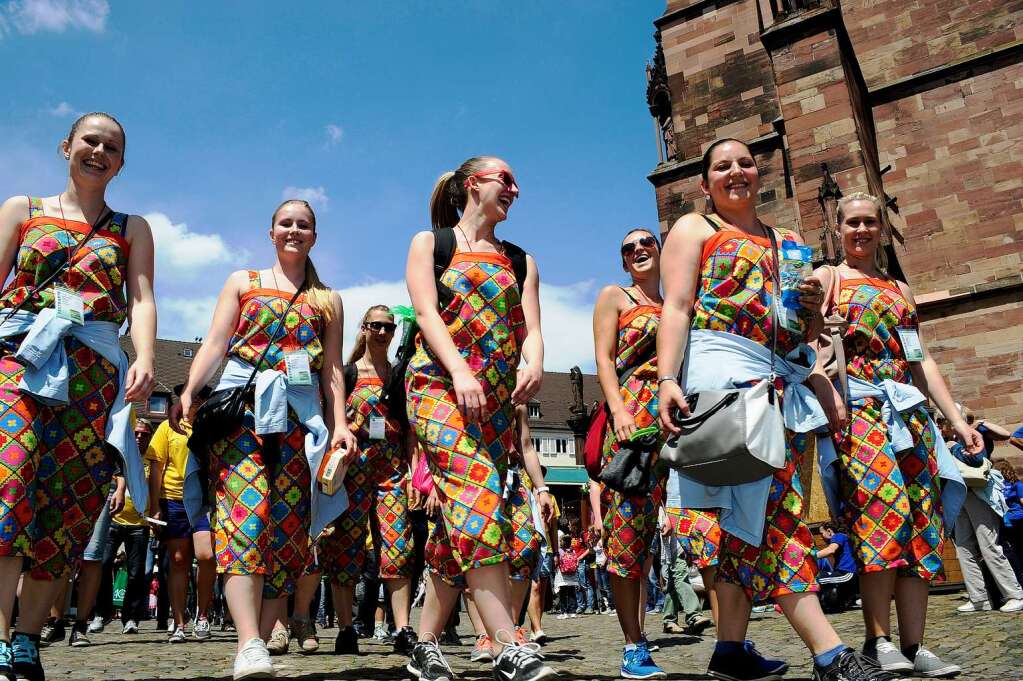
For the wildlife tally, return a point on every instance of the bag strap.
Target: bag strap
(518, 260)
(104, 220)
(270, 342)
(835, 324)
(713, 225)
(776, 277)
(631, 297)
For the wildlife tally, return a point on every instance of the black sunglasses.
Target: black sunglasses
(389, 327)
(646, 242)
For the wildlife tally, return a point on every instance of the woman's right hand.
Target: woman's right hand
(472, 401)
(670, 398)
(624, 425)
(178, 411)
(432, 505)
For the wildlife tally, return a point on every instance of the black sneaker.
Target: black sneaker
(748, 665)
(405, 640)
(27, 664)
(852, 666)
(427, 662)
(79, 635)
(347, 642)
(52, 632)
(521, 662)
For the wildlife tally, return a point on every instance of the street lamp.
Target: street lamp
(828, 196)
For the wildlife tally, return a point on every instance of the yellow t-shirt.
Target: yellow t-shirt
(170, 449)
(129, 515)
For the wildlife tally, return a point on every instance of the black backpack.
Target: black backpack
(444, 245)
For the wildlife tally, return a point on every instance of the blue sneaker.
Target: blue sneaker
(6, 661)
(748, 665)
(637, 664)
(25, 652)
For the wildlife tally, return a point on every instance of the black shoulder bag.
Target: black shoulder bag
(223, 412)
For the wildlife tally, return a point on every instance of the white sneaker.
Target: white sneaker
(253, 661)
(1012, 605)
(538, 637)
(201, 629)
(96, 625)
(561, 616)
(974, 607)
(130, 627)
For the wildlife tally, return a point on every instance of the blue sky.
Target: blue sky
(230, 106)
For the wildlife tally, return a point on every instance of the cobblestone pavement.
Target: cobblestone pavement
(987, 645)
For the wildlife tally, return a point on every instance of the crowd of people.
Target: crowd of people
(302, 485)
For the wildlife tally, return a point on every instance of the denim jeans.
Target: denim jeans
(604, 584)
(136, 593)
(587, 593)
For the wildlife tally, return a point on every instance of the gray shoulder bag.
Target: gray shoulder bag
(735, 436)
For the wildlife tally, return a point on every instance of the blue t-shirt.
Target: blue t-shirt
(844, 561)
(1014, 500)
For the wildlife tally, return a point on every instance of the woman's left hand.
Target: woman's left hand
(344, 438)
(138, 382)
(527, 383)
(971, 439)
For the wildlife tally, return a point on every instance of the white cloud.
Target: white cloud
(316, 196)
(184, 318)
(334, 134)
(566, 314)
(62, 109)
(180, 253)
(57, 16)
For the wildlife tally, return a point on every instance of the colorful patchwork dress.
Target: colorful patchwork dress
(54, 467)
(469, 461)
(891, 500)
(630, 522)
(377, 502)
(261, 506)
(735, 296)
(525, 539)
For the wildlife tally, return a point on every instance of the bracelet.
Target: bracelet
(541, 490)
(662, 379)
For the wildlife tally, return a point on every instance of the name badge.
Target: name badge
(297, 366)
(376, 428)
(70, 305)
(910, 339)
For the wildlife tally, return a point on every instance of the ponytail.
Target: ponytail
(359, 349)
(449, 195)
(319, 296)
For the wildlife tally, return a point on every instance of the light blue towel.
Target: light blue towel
(719, 361)
(273, 396)
(46, 378)
(896, 399)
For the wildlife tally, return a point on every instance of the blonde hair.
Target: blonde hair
(880, 256)
(448, 199)
(359, 349)
(317, 294)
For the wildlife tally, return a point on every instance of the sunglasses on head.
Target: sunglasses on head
(630, 247)
(503, 176)
(389, 327)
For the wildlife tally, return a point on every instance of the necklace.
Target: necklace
(60, 205)
(467, 244)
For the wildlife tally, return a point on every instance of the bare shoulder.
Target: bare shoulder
(423, 239)
(610, 294)
(14, 211)
(691, 227)
(138, 229)
(906, 291)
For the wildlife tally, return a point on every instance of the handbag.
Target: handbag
(974, 476)
(422, 481)
(593, 446)
(223, 412)
(733, 436)
(630, 470)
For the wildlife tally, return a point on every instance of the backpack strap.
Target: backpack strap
(518, 261)
(444, 246)
(713, 225)
(351, 375)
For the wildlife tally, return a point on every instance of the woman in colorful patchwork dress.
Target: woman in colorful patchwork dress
(77, 271)
(263, 491)
(376, 485)
(887, 481)
(625, 322)
(479, 352)
(718, 273)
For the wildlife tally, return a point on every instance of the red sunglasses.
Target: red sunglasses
(503, 176)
